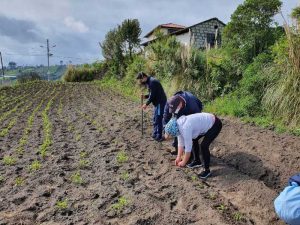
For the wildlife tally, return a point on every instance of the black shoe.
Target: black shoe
(194, 164)
(159, 139)
(204, 174)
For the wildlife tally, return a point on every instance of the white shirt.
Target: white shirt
(191, 126)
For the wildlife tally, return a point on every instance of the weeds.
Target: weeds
(83, 163)
(238, 216)
(125, 176)
(222, 207)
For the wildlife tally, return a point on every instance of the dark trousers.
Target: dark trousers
(158, 120)
(210, 135)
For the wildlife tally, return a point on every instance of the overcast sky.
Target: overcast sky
(77, 26)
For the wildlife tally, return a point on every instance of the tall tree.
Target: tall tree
(251, 27)
(130, 32)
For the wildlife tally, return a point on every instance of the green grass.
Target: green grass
(76, 178)
(19, 181)
(125, 176)
(238, 216)
(34, 166)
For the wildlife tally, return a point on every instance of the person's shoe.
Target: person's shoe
(204, 174)
(194, 164)
(153, 136)
(159, 139)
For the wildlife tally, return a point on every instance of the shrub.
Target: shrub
(28, 76)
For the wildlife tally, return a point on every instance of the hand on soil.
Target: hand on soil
(144, 107)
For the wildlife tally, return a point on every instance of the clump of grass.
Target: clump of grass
(122, 157)
(9, 160)
(120, 205)
(194, 178)
(19, 181)
(35, 165)
(125, 176)
(76, 178)
(83, 163)
(83, 154)
(61, 205)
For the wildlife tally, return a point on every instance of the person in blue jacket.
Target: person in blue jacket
(158, 98)
(183, 103)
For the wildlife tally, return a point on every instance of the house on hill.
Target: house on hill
(206, 34)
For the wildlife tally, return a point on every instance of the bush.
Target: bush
(81, 74)
(28, 76)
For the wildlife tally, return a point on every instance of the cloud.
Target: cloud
(76, 25)
(21, 30)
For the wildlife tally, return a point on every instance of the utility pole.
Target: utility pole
(48, 58)
(2, 68)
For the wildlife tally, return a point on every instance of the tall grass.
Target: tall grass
(283, 97)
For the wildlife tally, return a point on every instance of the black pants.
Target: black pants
(210, 135)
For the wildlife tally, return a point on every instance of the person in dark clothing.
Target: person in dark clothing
(158, 98)
(182, 103)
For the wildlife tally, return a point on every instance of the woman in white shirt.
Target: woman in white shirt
(191, 128)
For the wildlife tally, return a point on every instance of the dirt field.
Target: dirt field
(73, 154)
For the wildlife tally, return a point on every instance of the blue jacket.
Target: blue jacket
(157, 94)
(193, 105)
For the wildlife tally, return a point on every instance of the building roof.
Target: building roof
(188, 28)
(166, 25)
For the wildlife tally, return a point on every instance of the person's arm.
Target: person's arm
(180, 150)
(166, 116)
(188, 144)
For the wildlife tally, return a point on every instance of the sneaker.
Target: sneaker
(204, 174)
(194, 164)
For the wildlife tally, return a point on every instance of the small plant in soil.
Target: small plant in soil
(201, 186)
(76, 178)
(212, 196)
(122, 157)
(222, 207)
(77, 137)
(9, 160)
(1, 179)
(83, 154)
(61, 205)
(194, 178)
(125, 176)
(120, 205)
(19, 181)
(35, 165)
(238, 216)
(83, 163)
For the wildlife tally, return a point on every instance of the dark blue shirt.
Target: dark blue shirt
(157, 94)
(193, 105)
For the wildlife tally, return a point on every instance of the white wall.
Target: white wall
(184, 38)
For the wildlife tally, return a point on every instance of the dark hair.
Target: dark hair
(141, 75)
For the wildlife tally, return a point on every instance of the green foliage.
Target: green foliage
(28, 76)
(125, 176)
(19, 181)
(9, 160)
(1, 179)
(81, 74)
(238, 216)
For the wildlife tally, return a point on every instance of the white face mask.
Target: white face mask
(177, 110)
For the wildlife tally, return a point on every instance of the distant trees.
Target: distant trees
(12, 65)
(28, 76)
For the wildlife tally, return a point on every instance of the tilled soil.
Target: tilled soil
(100, 170)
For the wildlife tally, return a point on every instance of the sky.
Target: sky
(75, 27)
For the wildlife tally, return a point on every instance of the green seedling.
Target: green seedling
(9, 161)
(222, 207)
(83, 154)
(125, 176)
(120, 205)
(83, 163)
(1, 179)
(122, 157)
(76, 178)
(78, 137)
(35, 165)
(212, 196)
(194, 178)
(201, 186)
(61, 205)
(19, 181)
(238, 216)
